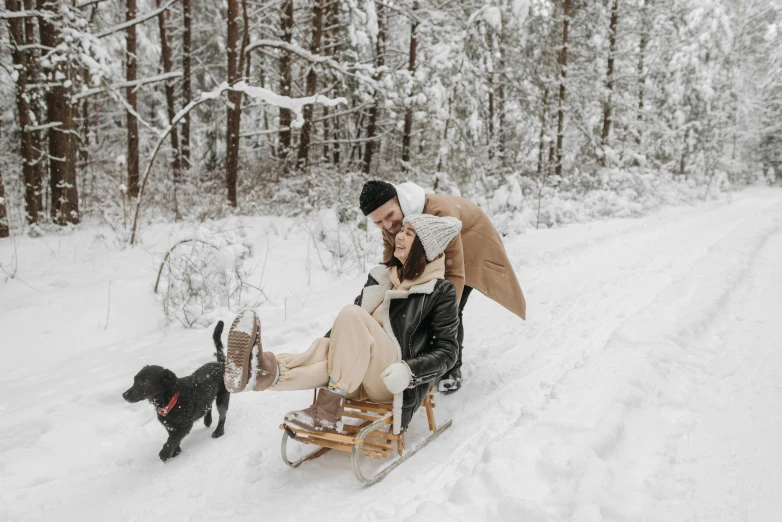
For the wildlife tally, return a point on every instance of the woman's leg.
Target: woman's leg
(304, 371)
(359, 351)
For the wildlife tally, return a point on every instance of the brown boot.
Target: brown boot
(246, 363)
(325, 414)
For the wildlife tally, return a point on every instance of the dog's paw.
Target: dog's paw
(208, 419)
(165, 454)
(219, 432)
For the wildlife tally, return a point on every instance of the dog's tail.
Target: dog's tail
(216, 337)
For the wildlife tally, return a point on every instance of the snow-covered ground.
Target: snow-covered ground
(646, 383)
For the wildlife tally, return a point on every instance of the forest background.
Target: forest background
(543, 112)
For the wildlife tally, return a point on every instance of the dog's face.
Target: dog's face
(150, 382)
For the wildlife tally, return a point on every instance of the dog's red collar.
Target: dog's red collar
(168, 407)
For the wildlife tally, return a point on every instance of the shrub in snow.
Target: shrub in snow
(201, 272)
(344, 241)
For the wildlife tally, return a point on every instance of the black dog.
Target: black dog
(181, 402)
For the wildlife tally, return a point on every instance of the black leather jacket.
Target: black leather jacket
(425, 325)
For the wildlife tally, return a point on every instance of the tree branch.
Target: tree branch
(135, 21)
(8, 15)
(123, 85)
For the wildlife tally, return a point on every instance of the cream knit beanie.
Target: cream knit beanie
(435, 232)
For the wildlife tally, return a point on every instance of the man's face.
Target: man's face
(388, 216)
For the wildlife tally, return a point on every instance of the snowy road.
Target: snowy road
(645, 385)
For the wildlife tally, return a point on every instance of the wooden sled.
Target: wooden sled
(372, 437)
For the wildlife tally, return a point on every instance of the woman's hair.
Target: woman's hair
(415, 264)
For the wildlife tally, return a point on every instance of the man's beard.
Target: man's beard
(396, 227)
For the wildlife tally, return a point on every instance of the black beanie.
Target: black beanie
(374, 194)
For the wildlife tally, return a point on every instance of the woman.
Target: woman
(398, 337)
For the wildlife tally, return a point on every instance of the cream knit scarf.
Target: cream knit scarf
(433, 270)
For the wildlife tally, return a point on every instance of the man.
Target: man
(475, 258)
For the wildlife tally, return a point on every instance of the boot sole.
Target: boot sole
(238, 357)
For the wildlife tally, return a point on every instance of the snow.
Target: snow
(643, 386)
(371, 18)
(268, 97)
(493, 16)
(246, 324)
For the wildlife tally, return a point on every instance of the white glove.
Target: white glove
(397, 377)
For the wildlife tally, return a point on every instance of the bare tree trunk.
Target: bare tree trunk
(4, 225)
(35, 105)
(325, 134)
(369, 148)
(312, 84)
(641, 74)
(17, 38)
(445, 135)
(186, 81)
(234, 99)
(334, 37)
(683, 159)
(562, 61)
(336, 156)
(490, 81)
(286, 28)
(604, 137)
(130, 76)
(84, 154)
(235, 69)
(165, 51)
(65, 196)
(542, 141)
(411, 69)
(501, 101)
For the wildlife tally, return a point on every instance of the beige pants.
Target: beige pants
(355, 355)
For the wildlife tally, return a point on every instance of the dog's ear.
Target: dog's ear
(168, 378)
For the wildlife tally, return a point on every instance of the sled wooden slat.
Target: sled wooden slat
(333, 437)
(373, 437)
(430, 412)
(347, 441)
(378, 444)
(379, 434)
(325, 443)
(377, 454)
(363, 416)
(369, 406)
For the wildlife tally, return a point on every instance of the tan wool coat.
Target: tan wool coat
(476, 257)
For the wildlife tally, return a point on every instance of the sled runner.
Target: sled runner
(372, 437)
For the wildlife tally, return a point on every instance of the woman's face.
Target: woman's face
(404, 242)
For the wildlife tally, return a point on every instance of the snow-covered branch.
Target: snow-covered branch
(310, 57)
(34, 128)
(294, 104)
(135, 21)
(295, 49)
(88, 3)
(8, 15)
(122, 85)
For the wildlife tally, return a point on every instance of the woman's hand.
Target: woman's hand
(397, 377)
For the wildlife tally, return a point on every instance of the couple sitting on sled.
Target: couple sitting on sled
(404, 330)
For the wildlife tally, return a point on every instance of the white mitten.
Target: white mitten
(397, 377)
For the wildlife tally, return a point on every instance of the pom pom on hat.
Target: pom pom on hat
(435, 232)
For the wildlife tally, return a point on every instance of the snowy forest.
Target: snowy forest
(195, 109)
(167, 166)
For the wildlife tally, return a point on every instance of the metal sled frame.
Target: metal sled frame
(373, 437)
